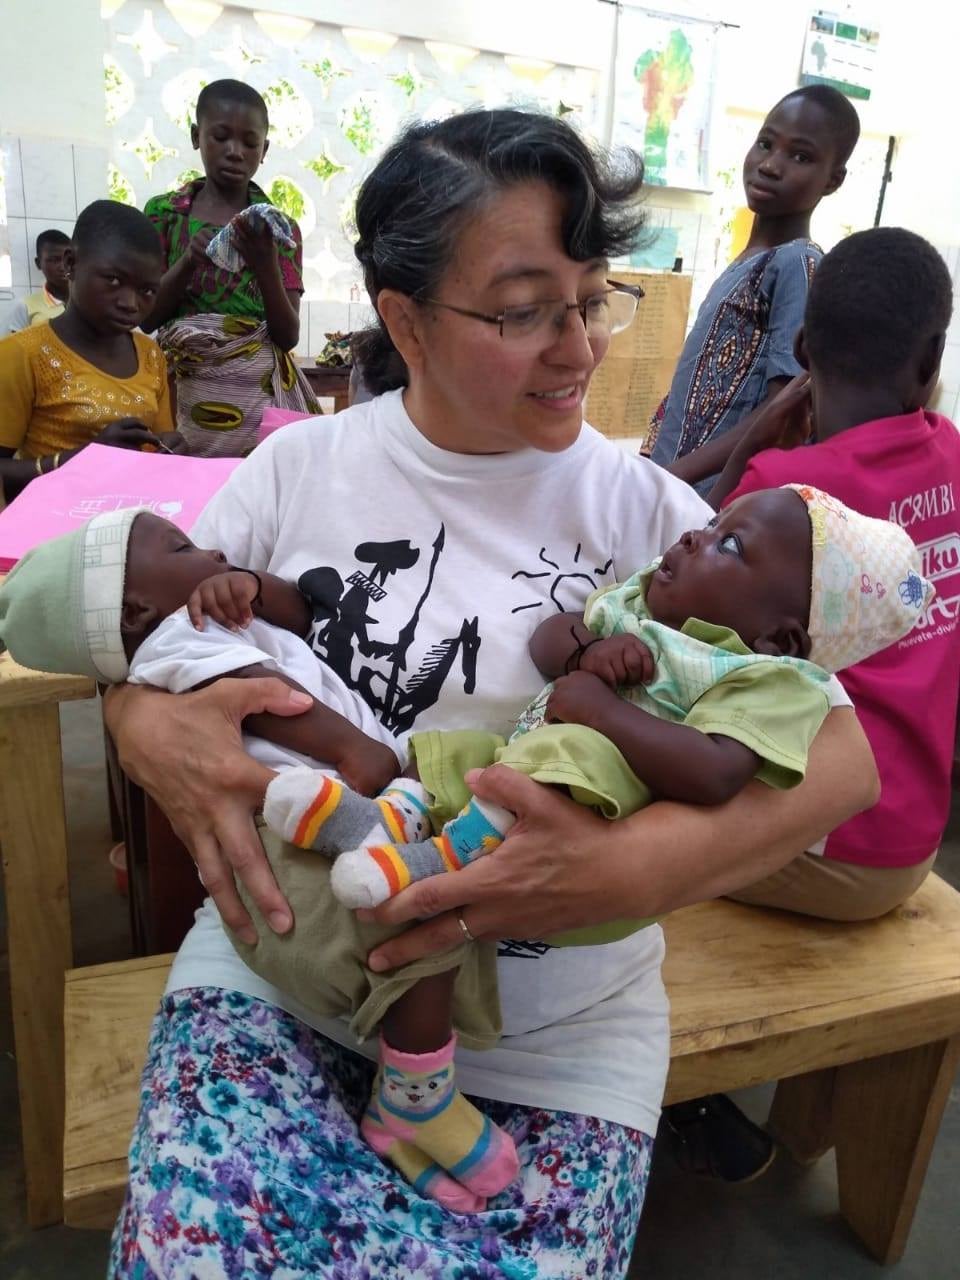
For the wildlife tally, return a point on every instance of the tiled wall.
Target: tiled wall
(46, 183)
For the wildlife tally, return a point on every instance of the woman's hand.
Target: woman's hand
(784, 421)
(126, 433)
(257, 246)
(562, 868)
(170, 442)
(196, 254)
(186, 752)
(546, 877)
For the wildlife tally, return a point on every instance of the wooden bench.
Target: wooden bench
(859, 1023)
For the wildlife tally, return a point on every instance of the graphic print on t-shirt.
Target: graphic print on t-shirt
(344, 612)
(563, 599)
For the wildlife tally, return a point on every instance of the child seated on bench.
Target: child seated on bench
(876, 446)
(698, 707)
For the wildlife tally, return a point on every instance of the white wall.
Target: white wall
(576, 32)
(51, 70)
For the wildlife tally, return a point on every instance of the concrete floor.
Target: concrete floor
(785, 1225)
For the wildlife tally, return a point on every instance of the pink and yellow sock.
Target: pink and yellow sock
(417, 1100)
(423, 1174)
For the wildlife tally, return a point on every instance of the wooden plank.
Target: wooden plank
(23, 687)
(783, 997)
(794, 1050)
(801, 1116)
(92, 1196)
(765, 965)
(107, 1015)
(886, 1114)
(33, 843)
(90, 973)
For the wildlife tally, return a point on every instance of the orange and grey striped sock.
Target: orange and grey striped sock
(367, 876)
(314, 810)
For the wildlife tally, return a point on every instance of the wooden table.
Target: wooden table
(860, 1023)
(33, 844)
(327, 380)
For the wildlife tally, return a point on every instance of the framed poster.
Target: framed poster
(663, 94)
(840, 50)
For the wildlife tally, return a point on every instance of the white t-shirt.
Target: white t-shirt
(428, 571)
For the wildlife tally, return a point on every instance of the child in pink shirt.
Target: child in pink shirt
(872, 340)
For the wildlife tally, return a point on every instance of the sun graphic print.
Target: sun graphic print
(565, 586)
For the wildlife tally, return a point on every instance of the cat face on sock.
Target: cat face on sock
(416, 1090)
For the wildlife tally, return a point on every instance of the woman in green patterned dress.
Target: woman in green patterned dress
(227, 335)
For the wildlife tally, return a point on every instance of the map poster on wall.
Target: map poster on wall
(664, 93)
(840, 50)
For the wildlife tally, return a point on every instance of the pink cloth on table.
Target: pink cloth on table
(905, 469)
(273, 419)
(107, 479)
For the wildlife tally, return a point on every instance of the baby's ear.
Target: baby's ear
(787, 640)
(136, 616)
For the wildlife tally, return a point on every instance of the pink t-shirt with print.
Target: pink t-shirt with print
(905, 469)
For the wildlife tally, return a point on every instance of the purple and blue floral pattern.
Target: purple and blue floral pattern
(246, 1161)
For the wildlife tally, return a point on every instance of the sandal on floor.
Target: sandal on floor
(714, 1139)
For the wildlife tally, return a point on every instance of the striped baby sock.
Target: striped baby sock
(423, 1174)
(313, 810)
(367, 876)
(416, 1099)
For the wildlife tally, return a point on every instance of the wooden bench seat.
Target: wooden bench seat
(859, 1023)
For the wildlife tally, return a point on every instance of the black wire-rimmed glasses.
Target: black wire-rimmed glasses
(603, 314)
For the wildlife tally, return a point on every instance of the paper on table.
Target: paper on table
(108, 479)
(636, 373)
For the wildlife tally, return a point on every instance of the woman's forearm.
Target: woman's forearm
(173, 286)
(671, 855)
(281, 313)
(561, 867)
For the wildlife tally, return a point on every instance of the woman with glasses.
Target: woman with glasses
(431, 529)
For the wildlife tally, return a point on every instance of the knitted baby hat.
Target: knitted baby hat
(867, 590)
(61, 604)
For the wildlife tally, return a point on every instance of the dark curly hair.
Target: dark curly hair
(875, 301)
(437, 175)
(234, 92)
(107, 220)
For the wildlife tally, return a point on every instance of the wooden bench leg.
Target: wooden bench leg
(34, 846)
(801, 1117)
(886, 1113)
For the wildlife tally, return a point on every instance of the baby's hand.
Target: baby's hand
(369, 769)
(579, 698)
(618, 660)
(225, 597)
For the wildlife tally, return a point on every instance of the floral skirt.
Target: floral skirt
(246, 1161)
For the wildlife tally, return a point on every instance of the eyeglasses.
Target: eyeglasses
(603, 314)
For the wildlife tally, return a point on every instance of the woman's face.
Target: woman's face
(473, 391)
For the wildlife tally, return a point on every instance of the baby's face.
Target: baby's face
(749, 568)
(163, 565)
